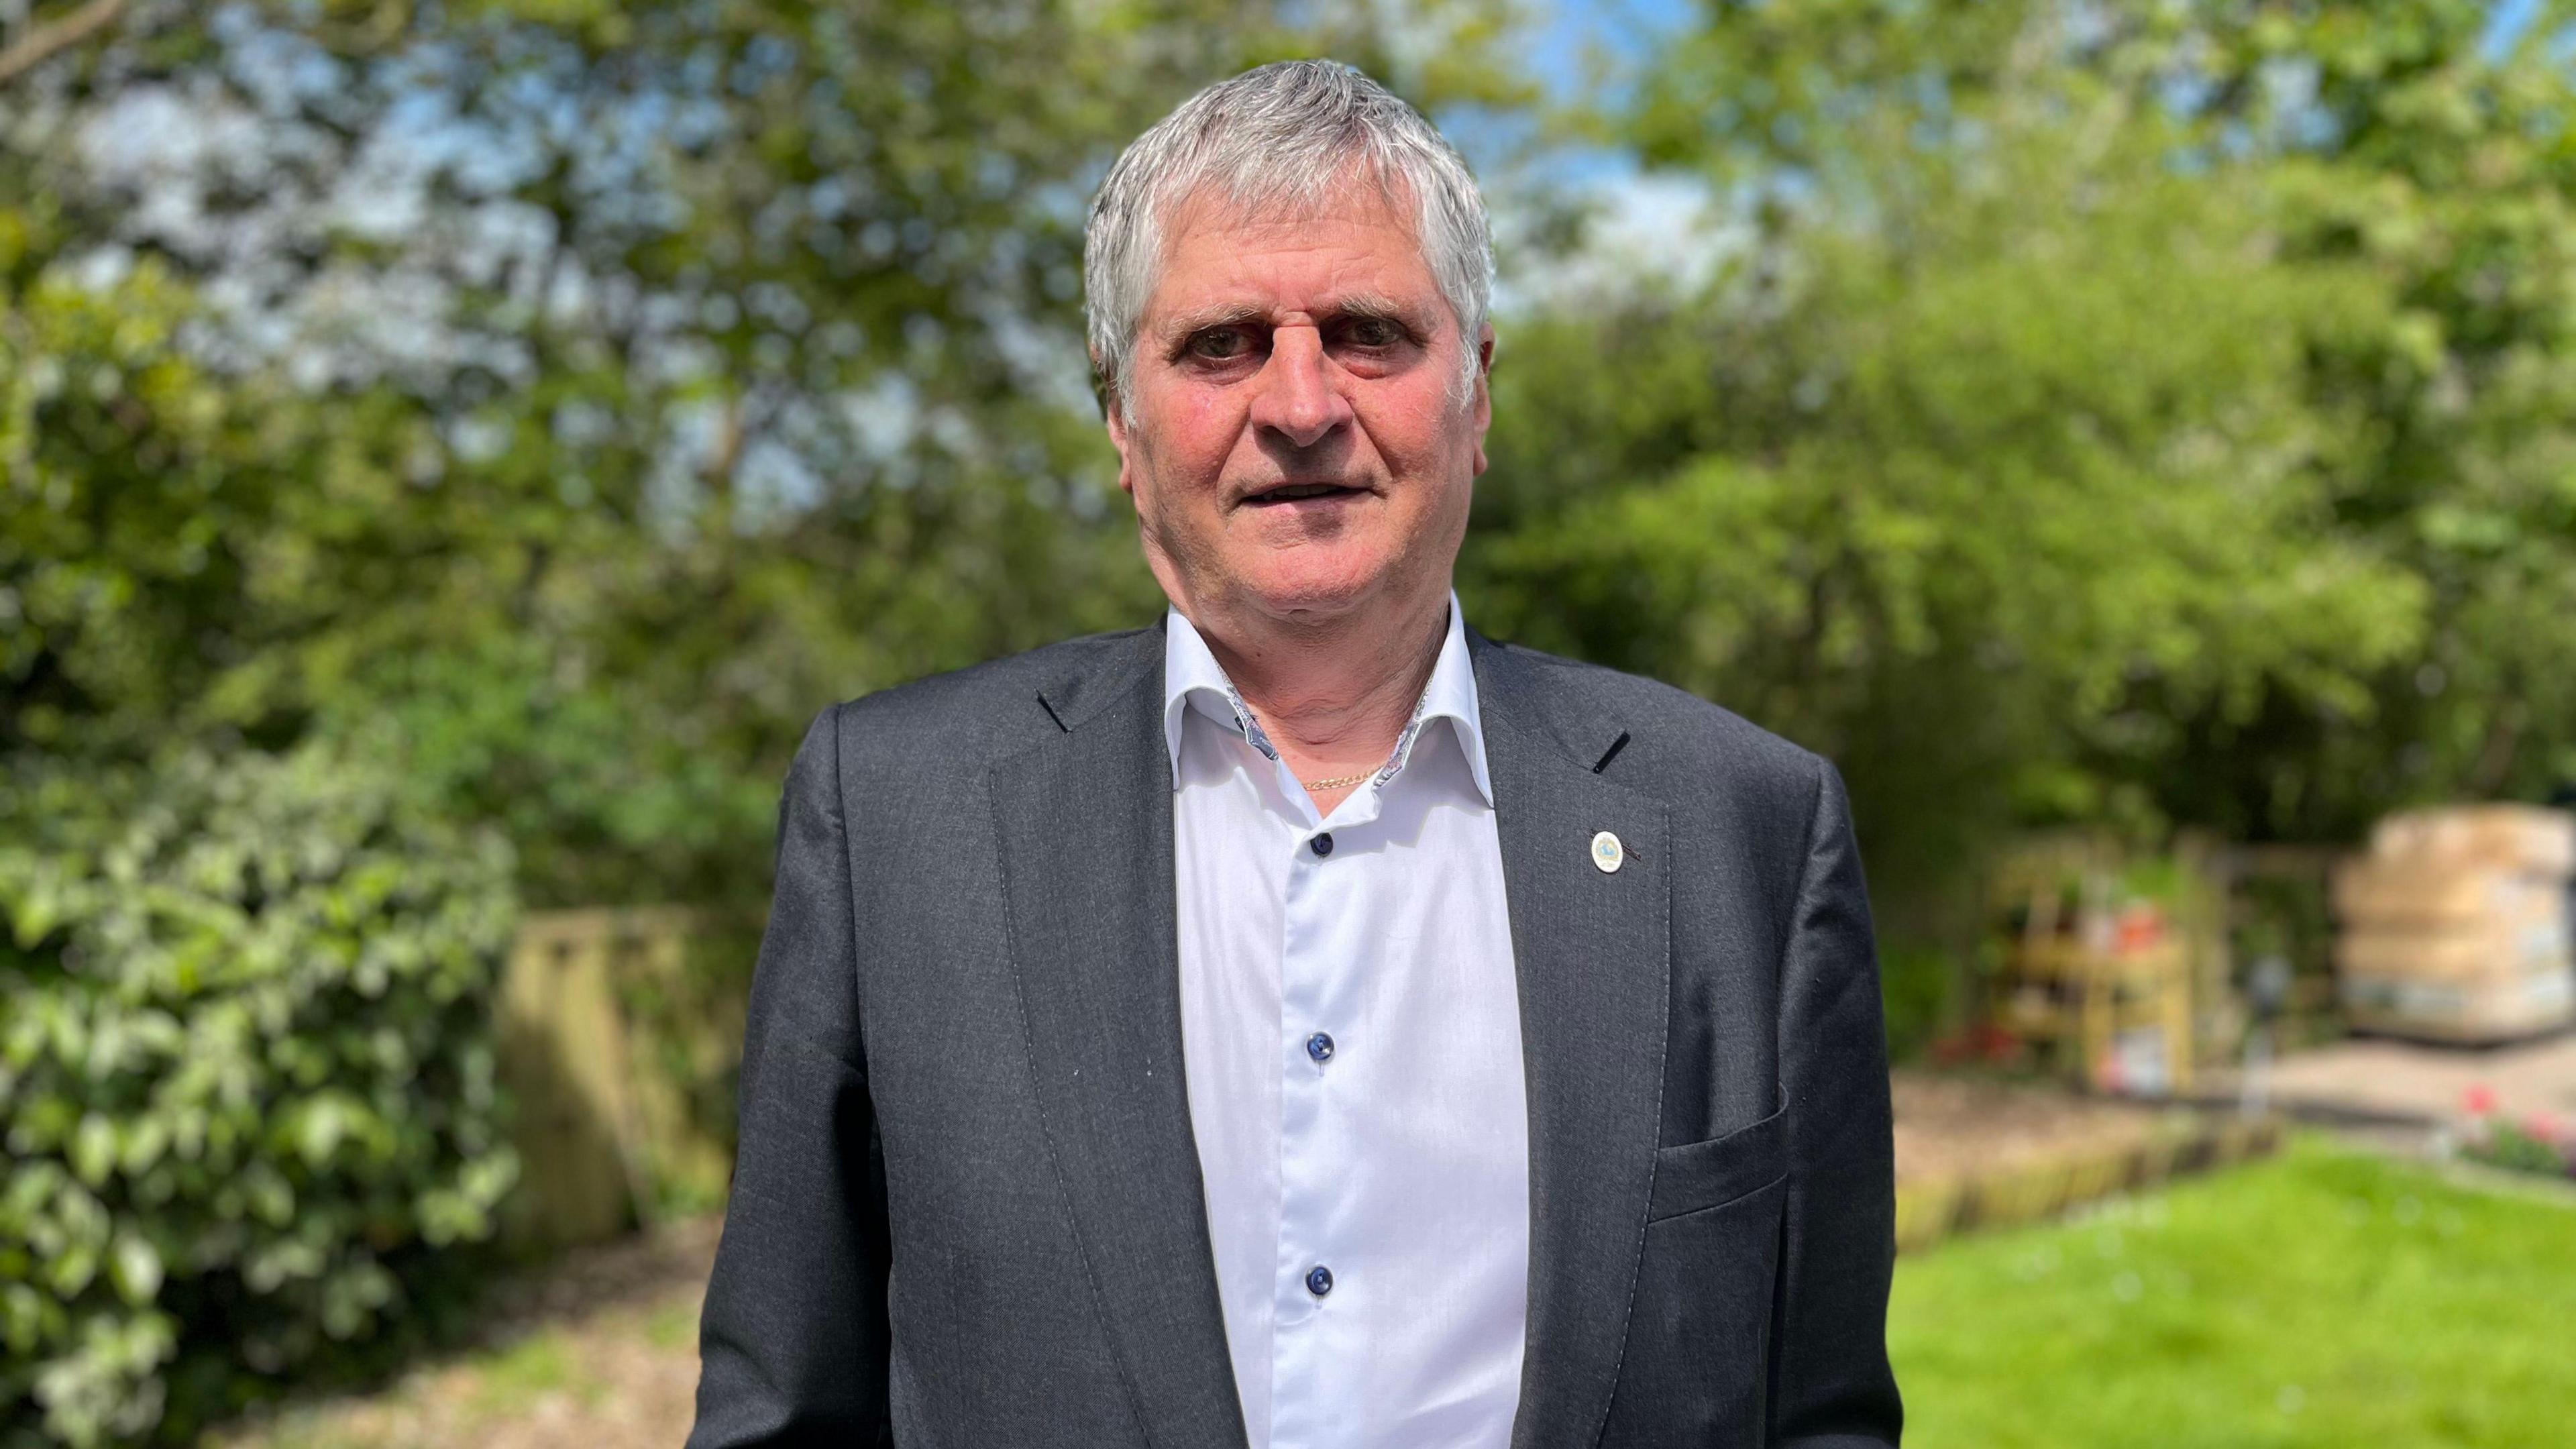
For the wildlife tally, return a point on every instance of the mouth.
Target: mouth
(1282, 494)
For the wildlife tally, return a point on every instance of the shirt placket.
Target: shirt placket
(1316, 1323)
(1317, 1300)
(1300, 1350)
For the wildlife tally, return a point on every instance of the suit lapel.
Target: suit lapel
(1589, 949)
(1084, 820)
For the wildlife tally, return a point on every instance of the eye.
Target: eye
(1373, 331)
(1217, 344)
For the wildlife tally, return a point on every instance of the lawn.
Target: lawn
(2324, 1298)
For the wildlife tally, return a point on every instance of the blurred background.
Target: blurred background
(449, 452)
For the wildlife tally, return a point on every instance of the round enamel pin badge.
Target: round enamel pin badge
(1607, 853)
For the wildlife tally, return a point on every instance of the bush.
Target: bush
(1914, 993)
(245, 1072)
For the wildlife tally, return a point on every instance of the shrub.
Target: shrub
(245, 1070)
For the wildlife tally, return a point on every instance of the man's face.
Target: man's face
(1300, 447)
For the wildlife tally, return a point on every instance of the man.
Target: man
(1305, 1023)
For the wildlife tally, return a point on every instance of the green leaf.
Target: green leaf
(93, 1149)
(72, 1269)
(134, 1265)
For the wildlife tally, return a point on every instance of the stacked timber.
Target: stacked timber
(2455, 924)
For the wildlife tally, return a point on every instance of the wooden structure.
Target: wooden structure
(1931, 1210)
(2455, 925)
(2120, 1019)
(2272, 902)
(603, 1120)
(2100, 983)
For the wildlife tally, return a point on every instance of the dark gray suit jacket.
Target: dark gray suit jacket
(967, 1210)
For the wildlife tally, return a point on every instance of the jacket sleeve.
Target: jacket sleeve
(793, 1343)
(1830, 1381)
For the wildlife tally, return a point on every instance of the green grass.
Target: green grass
(518, 1375)
(2321, 1300)
(673, 1327)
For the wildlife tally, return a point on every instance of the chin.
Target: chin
(1312, 593)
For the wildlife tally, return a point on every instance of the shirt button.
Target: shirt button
(1321, 844)
(1320, 1047)
(1319, 1280)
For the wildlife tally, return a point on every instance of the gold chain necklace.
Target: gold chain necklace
(1330, 782)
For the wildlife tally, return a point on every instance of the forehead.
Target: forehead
(1353, 241)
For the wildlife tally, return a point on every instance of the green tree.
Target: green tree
(2414, 147)
(2407, 142)
(634, 379)
(1990, 462)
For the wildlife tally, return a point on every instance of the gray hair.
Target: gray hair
(1279, 137)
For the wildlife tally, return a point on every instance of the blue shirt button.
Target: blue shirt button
(1321, 844)
(1319, 1280)
(1320, 1047)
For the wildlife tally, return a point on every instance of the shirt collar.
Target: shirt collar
(1192, 678)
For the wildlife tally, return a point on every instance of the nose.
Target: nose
(1298, 398)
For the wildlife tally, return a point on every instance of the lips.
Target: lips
(1299, 493)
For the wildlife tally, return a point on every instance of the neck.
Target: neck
(1333, 697)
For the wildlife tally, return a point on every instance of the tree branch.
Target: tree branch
(38, 45)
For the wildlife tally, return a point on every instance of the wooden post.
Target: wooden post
(588, 1112)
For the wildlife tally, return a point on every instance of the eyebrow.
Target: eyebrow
(1236, 314)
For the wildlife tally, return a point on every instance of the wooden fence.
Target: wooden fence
(610, 1048)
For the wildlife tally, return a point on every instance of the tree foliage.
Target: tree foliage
(593, 390)
(2122, 415)
(246, 1071)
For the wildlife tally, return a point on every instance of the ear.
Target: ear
(1115, 418)
(1482, 403)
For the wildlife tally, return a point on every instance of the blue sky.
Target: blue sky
(2510, 18)
(1625, 28)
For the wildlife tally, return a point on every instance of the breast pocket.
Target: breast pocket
(1700, 1175)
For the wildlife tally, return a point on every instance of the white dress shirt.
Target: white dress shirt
(1350, 1025)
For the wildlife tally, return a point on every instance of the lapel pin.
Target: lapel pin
(1607, 852)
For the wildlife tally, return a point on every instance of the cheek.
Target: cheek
(1188, 434)
(1421, 434)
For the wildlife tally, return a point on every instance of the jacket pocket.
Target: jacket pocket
(1694, 1373)
(1700, 1175)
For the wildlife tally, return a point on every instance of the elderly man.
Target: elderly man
(1305, 1022)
